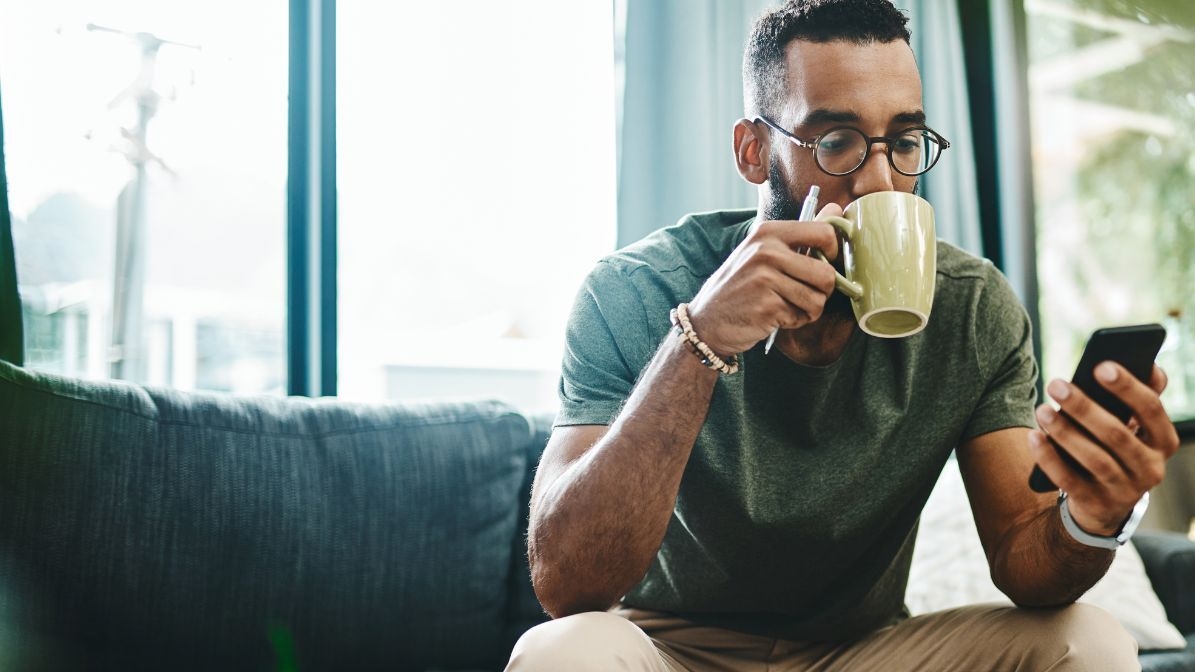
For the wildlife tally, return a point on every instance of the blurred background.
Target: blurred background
(399, 200)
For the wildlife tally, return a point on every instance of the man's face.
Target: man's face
(873, 87)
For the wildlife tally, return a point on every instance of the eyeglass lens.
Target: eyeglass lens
(843, 150)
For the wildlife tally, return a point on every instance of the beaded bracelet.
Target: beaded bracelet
(680, 319)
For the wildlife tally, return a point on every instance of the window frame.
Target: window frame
(311, 200)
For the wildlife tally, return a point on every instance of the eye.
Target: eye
(838, 142)
(908, 143)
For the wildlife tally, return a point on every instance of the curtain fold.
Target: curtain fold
(12, 345)
(951, 186)
(683, 92)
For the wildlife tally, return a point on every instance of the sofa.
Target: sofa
(146, 528)
(151, 529)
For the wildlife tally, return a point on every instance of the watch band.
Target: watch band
(1114, 542)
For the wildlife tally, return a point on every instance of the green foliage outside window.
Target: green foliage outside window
(1113, 100)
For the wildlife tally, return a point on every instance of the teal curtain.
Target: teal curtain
(683, 92)
(12, 346)
(951, 186)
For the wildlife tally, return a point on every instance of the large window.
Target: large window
(476, 186)
(146, 155)
(1113, 118)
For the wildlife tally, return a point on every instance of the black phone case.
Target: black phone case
(1133, 347)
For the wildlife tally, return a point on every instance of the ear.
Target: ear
(751, 151)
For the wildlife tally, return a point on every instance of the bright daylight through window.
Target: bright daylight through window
(146, 154)
(1113, 109)
(476, 187)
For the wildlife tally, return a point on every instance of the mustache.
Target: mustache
(782, 205)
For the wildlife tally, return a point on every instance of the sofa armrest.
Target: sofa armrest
(1169, 559)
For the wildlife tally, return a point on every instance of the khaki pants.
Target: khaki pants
(970, 639)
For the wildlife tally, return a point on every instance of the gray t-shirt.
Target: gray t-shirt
(798, 508)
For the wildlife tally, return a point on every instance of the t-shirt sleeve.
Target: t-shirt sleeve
(608, 341)
(1004, 348)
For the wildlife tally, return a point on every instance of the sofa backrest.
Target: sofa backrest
(145, 528)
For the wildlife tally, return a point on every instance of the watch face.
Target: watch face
(1134, 519)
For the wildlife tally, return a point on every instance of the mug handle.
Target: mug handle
(852, 289)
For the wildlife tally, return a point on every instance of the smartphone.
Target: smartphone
(1133, 347)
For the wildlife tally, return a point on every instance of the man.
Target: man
(684, 518)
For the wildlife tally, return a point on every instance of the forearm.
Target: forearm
(1043, 564)
(596, 528)
(1040, 564)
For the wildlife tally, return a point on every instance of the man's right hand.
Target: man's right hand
(767, 283)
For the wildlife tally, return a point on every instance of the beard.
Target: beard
(783, 206)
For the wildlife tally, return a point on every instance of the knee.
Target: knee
(1083, 638)
(593, 640)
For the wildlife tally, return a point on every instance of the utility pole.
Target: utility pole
(127, 353)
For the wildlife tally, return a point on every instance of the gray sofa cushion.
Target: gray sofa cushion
(1170, 562)
(157, 529)
(1170, 661)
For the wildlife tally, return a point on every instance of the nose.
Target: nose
(875, 174)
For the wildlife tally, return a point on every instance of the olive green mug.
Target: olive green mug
(889, 255)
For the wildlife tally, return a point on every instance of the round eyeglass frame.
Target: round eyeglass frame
(812, 143)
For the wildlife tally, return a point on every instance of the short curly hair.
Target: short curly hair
(856, 21)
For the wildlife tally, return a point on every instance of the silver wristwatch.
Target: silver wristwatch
(1114, 542)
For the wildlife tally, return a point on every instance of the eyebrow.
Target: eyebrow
(917, 118)
(824, 115)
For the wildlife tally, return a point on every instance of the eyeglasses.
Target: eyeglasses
(843, 149)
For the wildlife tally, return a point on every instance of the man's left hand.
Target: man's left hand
(1124, 461)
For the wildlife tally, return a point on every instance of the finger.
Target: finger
(1134, 426)
(1158, 379)
(794, 234)
(799, 236)
(1055, 466)
(805, 288)
(780, 283)
(829, 210)
(1103, 428)
(1130, 444)
(777, 243)
(774, 257)
(1104, 467)
(807, 271)
(1144, 465)
(1156, 428)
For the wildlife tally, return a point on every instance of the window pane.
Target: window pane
(1113, 108)
(476, 188)
(147, 187)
